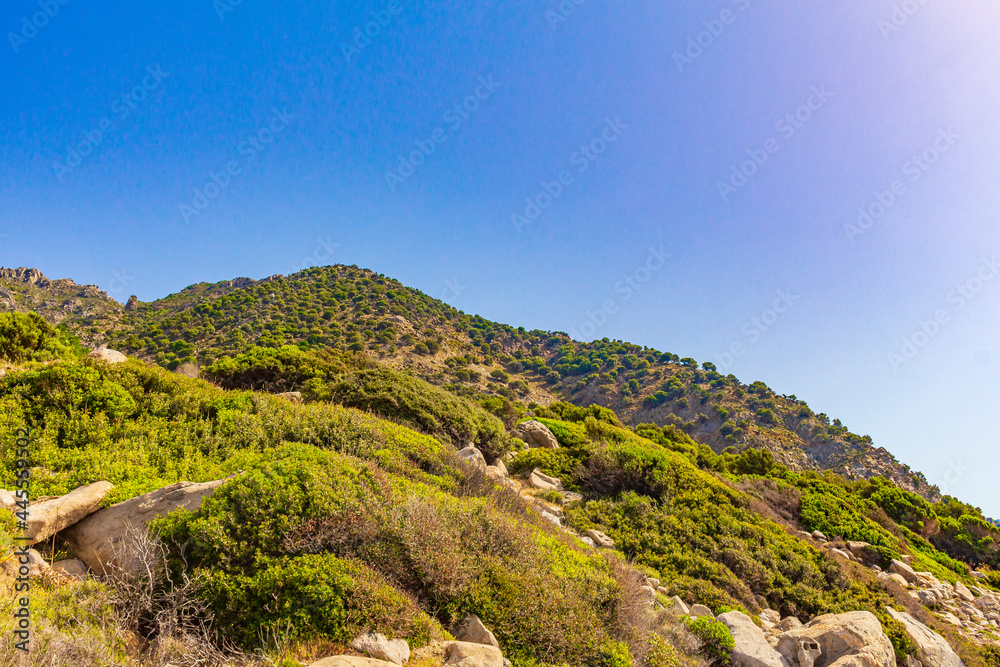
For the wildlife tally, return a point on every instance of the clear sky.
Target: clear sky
(688, 176)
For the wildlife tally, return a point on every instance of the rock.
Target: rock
(536, 434)
(981, 576)
(293, 396)
(701, 611)
(928, 598)
(600, 539)
(988, 604)
(817, 535)
(495, 473)
(7, 499)
(377, 646)
(898, 579)
(473, 457)
(933, 650)
(770, 615)
(752, 648)
(502, 467)
(108, 356)
(133, 304)
(655, 583)
(803, 534)
(904, 570)
(841, 554)
(589, 542)
(790, 623)
(964, 593)
(33, 560)
(951, 618)
(570, 497)
(473, 631)
(465, 654)
(552, 518)
(543, 482)
(854, 639)
(101, 535)
(71, 568)
(678, 607)
(47, 518)
(907, 558)
(927, 579)
(351, 661)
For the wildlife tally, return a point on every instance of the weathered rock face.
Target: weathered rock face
(752, 648)
(464, 654)
(108, 356)
(473, 457)
(473, 631)
(378, 646)
(543, 482)
(536, 434)
(133, 304)
(102, 534)
(47, 518)
(933, 650)
(854, 639)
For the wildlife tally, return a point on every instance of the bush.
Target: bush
(717, 642)
(28, 337)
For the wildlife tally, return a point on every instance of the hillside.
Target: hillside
(347, 308)
(374, 501)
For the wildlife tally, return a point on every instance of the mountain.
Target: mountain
(347, 308)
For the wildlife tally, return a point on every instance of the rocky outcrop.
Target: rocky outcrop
(752, 648)
(542, 482)
(395, 651)
(933, 650)
(473, 631)
(536, 435)
(100, 538)
(854, 639)
(109, 356)
(47, 518)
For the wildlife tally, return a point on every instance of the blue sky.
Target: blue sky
(805, 194)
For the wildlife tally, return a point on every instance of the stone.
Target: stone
(71, 568)
(600, 539)
(7, 499)
(976, 574)
(963, 592)
(47, 518)
(108, 356)
(928, 598)
(502, 467)
(859, 549)
(854, 639)
(378, 646)
(101, 536)
(543, 482)
(988, 604)
(932, 649)
(473, 631)
(536, 434)
(466, 654)
(951, 618)
(790, 623)
(32, 559)
(818, 535)
(770, 615)
(927, 579)
(899, 580)
(473, 457)
(752, 648)
(803, 534)
(678, 607)
(840, 553)
(291, 396)
(351, 661)
(552, 518)
(907, 558)
(701, 611)
(904, 570)
(652, 581)
(589, 542)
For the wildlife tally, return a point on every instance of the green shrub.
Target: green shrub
(28, 337)
(717, 641)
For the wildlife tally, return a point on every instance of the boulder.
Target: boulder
(678, 607)
(904, 570)
(100, 537)
(854, 639)
(70, 568)
(536, 434)
(841, 553)
(988, 604)
(473, 631)
(33, 560)
(701, 611)
(770, 615)
(600, 539)
(8, 500)
(752, 648)
(589, 542)
(898, 579)
(473, 457)
(570, 497)
(291, 396)
(47, 518)
(502, 467)
(466, 654)
(543, 482)
(351, 661)
(964, 593)
(818, 535)
(108, 356)
(377, 646)
(790, 623)
(859, 549)
(932, 648)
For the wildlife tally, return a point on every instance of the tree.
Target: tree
(28, 337)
